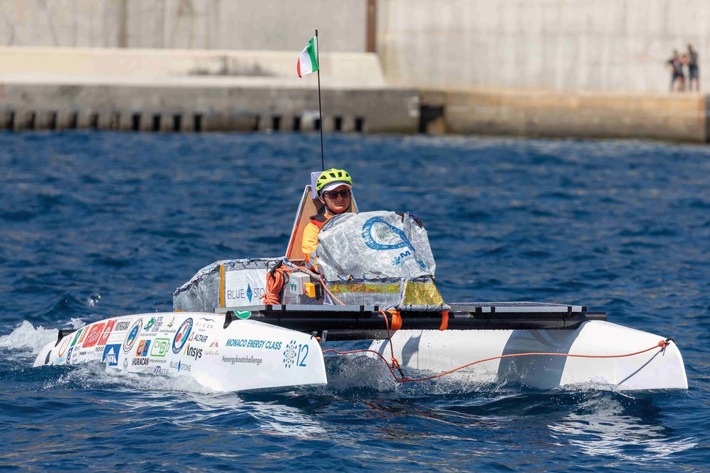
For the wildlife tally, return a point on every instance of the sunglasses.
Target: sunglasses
(334, 194)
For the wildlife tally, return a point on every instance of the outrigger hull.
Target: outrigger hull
(597, 353)
(538, 345)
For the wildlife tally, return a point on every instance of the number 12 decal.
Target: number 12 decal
(302, 355)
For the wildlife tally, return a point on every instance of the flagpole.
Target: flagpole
(320, 110)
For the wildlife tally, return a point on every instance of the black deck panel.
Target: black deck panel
(366, 322)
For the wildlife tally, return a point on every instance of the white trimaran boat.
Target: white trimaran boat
(254, 324)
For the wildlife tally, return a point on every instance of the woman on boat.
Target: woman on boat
(333, 188)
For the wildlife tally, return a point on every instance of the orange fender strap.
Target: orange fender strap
(444, 320)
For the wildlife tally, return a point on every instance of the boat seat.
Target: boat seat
(310, 205)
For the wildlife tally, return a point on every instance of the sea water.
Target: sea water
(95, 224)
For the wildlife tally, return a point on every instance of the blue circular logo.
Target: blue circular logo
(181, 335)
(132, 335)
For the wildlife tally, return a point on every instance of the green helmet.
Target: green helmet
(331, 176)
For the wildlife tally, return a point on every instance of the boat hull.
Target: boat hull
(248, 355)
(542, 359)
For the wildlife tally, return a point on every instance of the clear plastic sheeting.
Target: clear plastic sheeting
(374, 245)
(226, 283)
(379, 258)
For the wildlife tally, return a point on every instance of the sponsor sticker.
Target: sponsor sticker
(160, 347)
(95, 332)
(245, 287)
(198, 337)
(77, 336)
(143, 348)
(150, 324)
(205, 323)
(107, 332)
(132, 335)
(110, 355)
(180, 366)
(140, 361)
(122, 325)
(295, 354)
(182, 335)
(154, 324)
(63, 347)
(193, 352)
(253, 343)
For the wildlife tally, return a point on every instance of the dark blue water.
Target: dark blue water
(100, 224)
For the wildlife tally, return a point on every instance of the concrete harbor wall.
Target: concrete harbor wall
(195, 107)
(199, 91)
(513, 67)
(563, 114)
(195, 90)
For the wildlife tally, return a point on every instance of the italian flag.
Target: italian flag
(308, 60)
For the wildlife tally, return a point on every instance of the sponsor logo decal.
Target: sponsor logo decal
(181, 335)
(254, 343)
(150, 324)
(94, 334)
(140, 361)
(198, 337)
(295, 354)
(77, 336)
(242, 314)
(122, 325)
(63, 347)
(84, 331)
(107, 332)
(110, 356)
(244, 287)
(154, 324)
(143, 348)
(132, 335)
(213, 349)
(205, 323)
(160, 347)
(196, 353)
(180, 366)
(382, 236)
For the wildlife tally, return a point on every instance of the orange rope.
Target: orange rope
(274, 283)
(661, 344)
(395, 362)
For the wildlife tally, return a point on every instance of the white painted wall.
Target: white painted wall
(283, 25)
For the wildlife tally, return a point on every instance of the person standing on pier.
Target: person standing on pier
(693, 70)
(676, 72)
